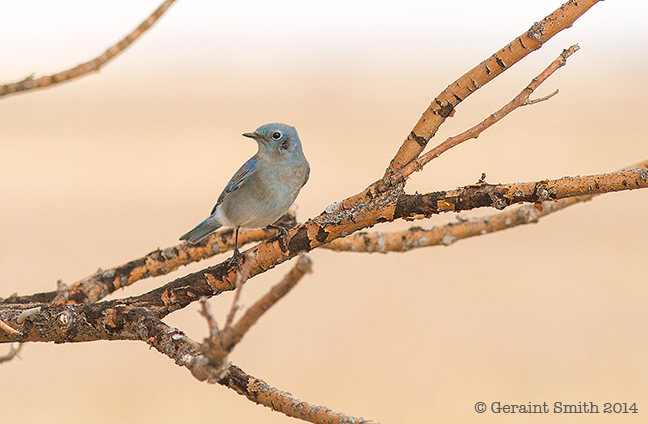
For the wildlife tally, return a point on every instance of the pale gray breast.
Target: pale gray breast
(266, 195)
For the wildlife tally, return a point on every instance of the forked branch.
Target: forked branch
(220, 342)
(443, 105)
(520, 100)
(208, 361)
(463, 227)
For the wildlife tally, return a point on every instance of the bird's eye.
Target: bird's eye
(276, 135)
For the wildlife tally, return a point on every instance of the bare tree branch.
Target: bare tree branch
(159, 262)
(520, 100)
(241, 278)
(442, 106)
(119, 319)
(186, 353)
(95, 64)
(445, 235)
(220, 343)
(231, 337)
(13, 352)
(66, 320)
(74, 314)
(258, 391)
(463, 227)
(205, 312)
(500, 196)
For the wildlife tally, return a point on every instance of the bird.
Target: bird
(263, 189)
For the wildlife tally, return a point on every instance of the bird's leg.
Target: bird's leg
(237, 255)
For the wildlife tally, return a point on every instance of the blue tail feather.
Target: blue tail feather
(201, 230)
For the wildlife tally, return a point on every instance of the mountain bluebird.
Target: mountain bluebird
(263, 188)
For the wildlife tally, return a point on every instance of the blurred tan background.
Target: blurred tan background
(100, 171)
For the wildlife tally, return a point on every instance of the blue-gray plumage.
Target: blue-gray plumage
(263, 189)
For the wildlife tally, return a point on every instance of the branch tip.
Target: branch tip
(13, 352)
(305, 264)
(539, 99)
(522, 99)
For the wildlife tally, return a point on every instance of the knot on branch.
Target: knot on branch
(374, 204)
(536, 33)
(444, 110)
(542, 192)
(498, 201)
(204, 369)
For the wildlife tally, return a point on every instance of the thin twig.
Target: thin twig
(13, 352)
(205, 312)
(241, 278)
(540, 99)
(445, 235)
(521, 99)
(456, 92)
(219, 344)
(95, 64)
(252, 315)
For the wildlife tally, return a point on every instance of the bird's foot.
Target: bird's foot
(281, 231)
(236, 257)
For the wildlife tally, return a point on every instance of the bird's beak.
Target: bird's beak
(250, 135)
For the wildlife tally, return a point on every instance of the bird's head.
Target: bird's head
(276, 139)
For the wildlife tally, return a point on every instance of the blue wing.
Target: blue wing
(235, 182)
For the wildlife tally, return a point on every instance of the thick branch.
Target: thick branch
(129, 323)
(95, 64)
(119, 319)
(159, 262)
(500, 196)
(445, 235)
(463, 227)
(486, 71)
